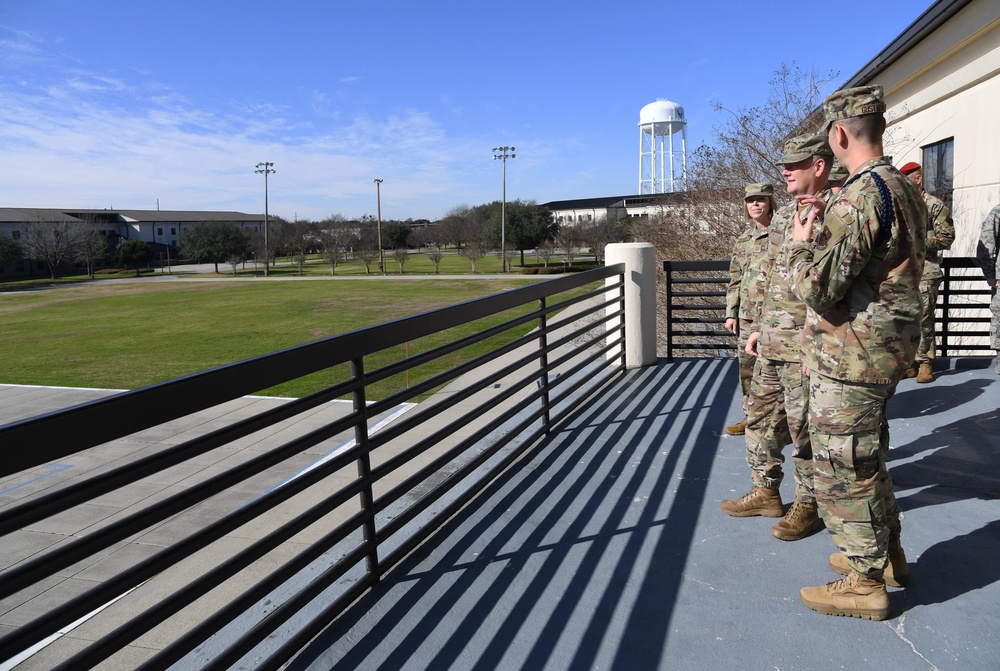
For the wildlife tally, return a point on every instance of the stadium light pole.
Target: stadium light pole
(265, 168)
(501, 153)
(378, 210)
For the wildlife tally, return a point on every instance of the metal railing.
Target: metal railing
(372, 520)
(696, 306)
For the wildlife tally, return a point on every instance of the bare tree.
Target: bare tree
(569, 240)
(602, 233)
(457, 226)
(435, 257)
(401, 254)
(50, 241)
(545, 251)
(473, 251)
(367, 246)
(91, 248)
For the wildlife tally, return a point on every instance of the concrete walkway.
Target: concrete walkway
(606, 548)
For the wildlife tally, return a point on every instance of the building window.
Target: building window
(939, 169)
(16, 235)
(173, 231)
(159, 231)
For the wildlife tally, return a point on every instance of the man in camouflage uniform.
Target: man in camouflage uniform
(988, 255)
(778, 404)
(860, 277)
(940, 235)
(746, 282)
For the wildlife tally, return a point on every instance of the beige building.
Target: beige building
(942, 91)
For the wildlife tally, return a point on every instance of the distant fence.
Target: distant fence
(696, 306)
(374, 500)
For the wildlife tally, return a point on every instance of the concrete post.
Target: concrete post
(640, 301)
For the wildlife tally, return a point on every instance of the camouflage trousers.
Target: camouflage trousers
(850, 440)
(746, 360)
(928, 301)
(777, 414)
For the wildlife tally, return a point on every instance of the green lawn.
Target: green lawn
(414, 264)
(123, 336)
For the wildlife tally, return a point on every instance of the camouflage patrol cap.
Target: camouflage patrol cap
(838, 173)
(758, 189)
(801, 147)
(848, 103)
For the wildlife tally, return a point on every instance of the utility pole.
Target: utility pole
(264, 168)
(378, 207)
(501, 153)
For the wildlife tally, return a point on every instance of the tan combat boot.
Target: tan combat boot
(737, 429)
(758, 501)
(897, 573)
(926, 374)
(853, 596)
(801, 520)
(910, 372)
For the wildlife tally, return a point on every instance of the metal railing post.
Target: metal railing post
(945, 294)
(621, 306)
(365, 467)
(543, 361)
(669, 268)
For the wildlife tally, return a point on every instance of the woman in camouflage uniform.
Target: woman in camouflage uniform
(746, 282)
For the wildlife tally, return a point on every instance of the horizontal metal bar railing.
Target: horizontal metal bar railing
(953, 323)
(573, 349)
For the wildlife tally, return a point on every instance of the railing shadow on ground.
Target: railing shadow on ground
(377, 514)
(598, 520)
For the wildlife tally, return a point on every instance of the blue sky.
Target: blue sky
(113, 103)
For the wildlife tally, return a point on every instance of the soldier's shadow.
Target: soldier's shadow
(932, 399)
(958, 465)
(937, 579)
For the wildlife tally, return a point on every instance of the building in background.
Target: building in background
(941, 79)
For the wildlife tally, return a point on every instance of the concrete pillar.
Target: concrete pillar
(640, 301)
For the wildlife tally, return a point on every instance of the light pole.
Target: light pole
(501, 154)
(264, 168)
(378, 207)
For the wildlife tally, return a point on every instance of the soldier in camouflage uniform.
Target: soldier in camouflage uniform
(778, 404)
(988, 255)
(940, 235)
(746, 282)
(860, 277)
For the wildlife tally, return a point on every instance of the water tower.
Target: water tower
(661, 168)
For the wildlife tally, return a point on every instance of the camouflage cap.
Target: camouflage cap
(801, 147)
(758, 189)
(838, 173)
(848, 103)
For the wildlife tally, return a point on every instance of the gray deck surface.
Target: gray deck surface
(606, 548)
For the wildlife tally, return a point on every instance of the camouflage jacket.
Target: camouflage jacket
(988, 249)
(783, 314)
(940, 234)
(746, 282)
(860, 278)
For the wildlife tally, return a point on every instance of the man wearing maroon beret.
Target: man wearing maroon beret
(940, 235)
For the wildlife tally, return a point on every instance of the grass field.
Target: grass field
(123, 336)
(414, 264)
